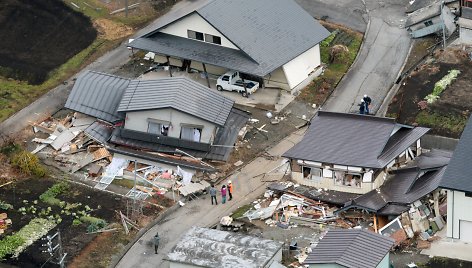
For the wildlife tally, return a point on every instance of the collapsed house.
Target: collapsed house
(428, 17)
(154, 120)
(203, 247)
(273, 42)
(348, 248)
(352, 153)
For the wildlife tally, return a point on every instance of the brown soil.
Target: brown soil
(74, 238)
(39, 36)
(454, 102)
(111, 30)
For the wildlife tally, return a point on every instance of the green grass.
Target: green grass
(449, 122)
(320, 88)
(238, 213)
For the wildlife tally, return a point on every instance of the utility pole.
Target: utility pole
(52, 248)
(126, 8)
(443, 25)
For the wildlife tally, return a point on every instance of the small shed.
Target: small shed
(204, 247)
(351, 248)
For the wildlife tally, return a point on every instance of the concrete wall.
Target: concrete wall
(458, 208)
(421, 25)
(196, 23)
(276, 79)
(299, 68)
(138, 121)
(438, 142)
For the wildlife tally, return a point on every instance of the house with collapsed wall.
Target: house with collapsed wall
(165, 121)
(352, 153)
(431, 18)
(275, 42)
(458, 183)
(350, 248)
(414, 190)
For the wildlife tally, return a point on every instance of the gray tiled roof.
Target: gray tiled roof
(99, 131)
(353, 140)
(179, 93)
(98, 95)
(351, 248)
(404, 186)
(457, 175)
(270, 32)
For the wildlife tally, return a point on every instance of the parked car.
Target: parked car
(231, 81)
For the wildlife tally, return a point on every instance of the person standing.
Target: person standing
(213, 194)
(362, 107)
(223, 194)
(367, 101)
(230, 190)
(156, 242)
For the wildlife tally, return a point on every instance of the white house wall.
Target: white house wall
(458, 209)
(298, 69)
(196, 23)
(138, 121)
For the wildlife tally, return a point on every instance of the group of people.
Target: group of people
(224, 191)
(365, 105)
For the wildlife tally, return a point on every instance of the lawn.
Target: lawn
(320, 89)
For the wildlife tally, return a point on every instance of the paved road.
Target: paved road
(379, 62)
(201, 213)
(110, 62)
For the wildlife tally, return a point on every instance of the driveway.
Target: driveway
(383, 53)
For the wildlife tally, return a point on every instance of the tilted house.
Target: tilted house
(433, 18)
(275, 41)
(352, 249)
(167, 116)
(350, 152)
(458, 181)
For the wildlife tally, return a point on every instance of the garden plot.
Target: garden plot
(437, 94)
(44, 206)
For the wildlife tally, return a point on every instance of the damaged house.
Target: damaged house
(275, 42)
(167, 121)
(465, 22)
(352, 153)
(432, 17)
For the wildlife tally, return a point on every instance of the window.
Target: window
(213, 39)
(154, 128)
(344, 178)
(428, 23)
(309, 172)
(191, 133)
(225, 78)
(195, 35)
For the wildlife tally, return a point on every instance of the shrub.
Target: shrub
(76, 222)
(28, 163)
(95, 224)
(9, 244)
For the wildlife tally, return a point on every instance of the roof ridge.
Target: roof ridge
(357, 116)
(107, 74)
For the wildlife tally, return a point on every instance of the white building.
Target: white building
(458, 182)
(273, 41)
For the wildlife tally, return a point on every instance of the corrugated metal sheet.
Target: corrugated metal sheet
(178, 93)
(351, 248)
(98, 95)
(458, 176)
(353, 140)
(270, 32)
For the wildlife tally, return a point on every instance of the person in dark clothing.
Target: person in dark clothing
(367, 101)
(213, 194)
(362, 107)
(156, 242)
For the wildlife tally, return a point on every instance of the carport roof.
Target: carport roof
(269, 33)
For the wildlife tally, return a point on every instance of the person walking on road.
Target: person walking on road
(367, 102)
(213, 194)
(230, 190)
(223, 194)
(156, 242)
